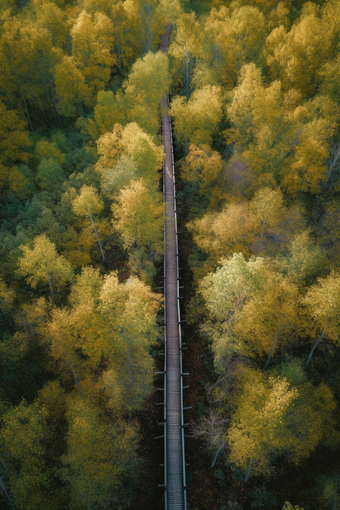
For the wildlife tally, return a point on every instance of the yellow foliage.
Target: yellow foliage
(92, 41)
(146, 227)
(235, 38)
(219, 234)
(296, 56)
(197, 120)
(71, 88)
(144, 156)
(258, 425)
(45, 149)
(247, 226)
(7, 295)
(87, 202)
(42, 263)
(323, 301)
(107, 112)
(14, 145)
(99, 453)
(270, 318)
(204, 167)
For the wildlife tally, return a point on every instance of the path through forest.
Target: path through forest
(175, 483)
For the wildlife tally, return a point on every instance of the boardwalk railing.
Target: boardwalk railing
(174, 433)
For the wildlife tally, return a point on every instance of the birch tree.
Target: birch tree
(87, 204)
(323, 300)
(43, 264)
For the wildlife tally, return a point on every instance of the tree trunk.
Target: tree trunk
(248, 472)
(332, 165)
(216, 383)
(218, 451)
(75, 377)
(271, 351)
(94, 228)
(5, 491)
(316, 344)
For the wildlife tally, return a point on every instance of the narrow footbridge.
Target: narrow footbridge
(174, 452)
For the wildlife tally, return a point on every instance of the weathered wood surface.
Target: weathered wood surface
(175, 496)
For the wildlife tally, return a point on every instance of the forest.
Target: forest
(255, 103)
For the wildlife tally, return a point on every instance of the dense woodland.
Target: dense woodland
(255, 104)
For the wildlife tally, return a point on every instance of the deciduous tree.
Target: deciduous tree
(197, 120)
(14, 146)
(323, 299)
(43, 264)
(87, 204)
(225, 293)
(145, 229)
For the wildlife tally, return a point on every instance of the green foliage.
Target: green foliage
(93, 442)
(49, 174)
(257, 123)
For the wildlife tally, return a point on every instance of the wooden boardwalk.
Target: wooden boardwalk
(175, 481)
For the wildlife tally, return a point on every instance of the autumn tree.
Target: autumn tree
(43, 264)
(225, 293)
(252, 310)
(28, 56)
(270, 319)
(267, 209)
(303, 259)
(14, 146)
(127, 153)
(80, 76)
(258, 423)
(86, 204)
(52, 17)
(296, 56)
(30, 449)
(274, 416)
(323, 300)
(196, 120)
(129, 311)
(147, 84)
(64, 330)
(259, 226)
(308, 170)
(185, 47)
(107, 112)
(101, 453)
(260, 131)
(204, 167)
(138, 101)
(278, 137)
(142, 233)
(235, 38)
(126, 44)
(71, 88)
(225, 233)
